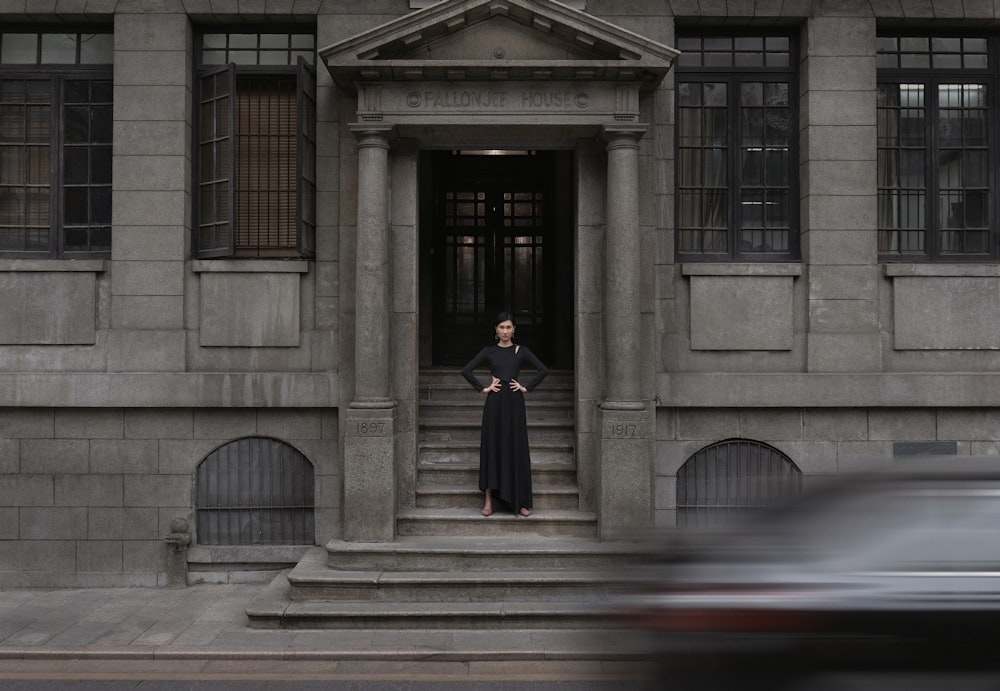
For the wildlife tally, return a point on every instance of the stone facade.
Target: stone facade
(119, 375)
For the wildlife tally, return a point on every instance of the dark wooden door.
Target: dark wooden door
(493, 242)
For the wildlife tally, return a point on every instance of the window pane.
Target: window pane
(273, 57)
(76, 209)
(59, 49)
(100, 205)
(19, 49)
(716, 127)
(76, 124)
(97, 49)
(273, 41)
(243, 41)
(76, 165)
(76, 91)
(975, 168)
(101, 124)
(213, 57)
(100, 165)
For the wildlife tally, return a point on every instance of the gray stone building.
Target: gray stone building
(245, 247)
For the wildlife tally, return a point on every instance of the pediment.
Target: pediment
(488, 40)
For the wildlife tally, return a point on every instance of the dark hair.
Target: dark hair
(503, 317)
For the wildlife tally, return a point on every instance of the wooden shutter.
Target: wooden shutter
(306, 189)
(216, 162)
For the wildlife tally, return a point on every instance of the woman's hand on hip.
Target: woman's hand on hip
(515, 386)
(494, 386)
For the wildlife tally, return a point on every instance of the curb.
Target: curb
(407, 654)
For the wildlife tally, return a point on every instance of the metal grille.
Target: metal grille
(729, 478)
(25, 114)
(524, 289)
(265, 165)
(255, 491)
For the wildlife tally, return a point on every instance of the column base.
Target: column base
(626, 477)
(369, 474)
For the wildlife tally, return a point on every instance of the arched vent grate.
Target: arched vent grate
(255, 491)
(730, 478)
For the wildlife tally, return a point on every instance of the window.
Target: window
(256, 143)
(255, 491)
(737, 160)
(55, 144)
(934, 159)
(725, 480)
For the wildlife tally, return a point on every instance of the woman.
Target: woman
(504, 461)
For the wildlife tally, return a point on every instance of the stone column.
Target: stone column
(626, 477)
(371, 318)
(369, 461)
(622, 254)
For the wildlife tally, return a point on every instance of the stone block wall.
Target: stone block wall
(87, 495)
(821, 442)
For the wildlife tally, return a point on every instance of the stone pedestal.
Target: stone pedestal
(369, 475)
(178, 540)
(626, 483)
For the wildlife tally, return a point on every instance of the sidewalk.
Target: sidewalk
(207, 623)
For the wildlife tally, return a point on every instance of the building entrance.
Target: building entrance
(496, 224)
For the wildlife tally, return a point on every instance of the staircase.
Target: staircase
(448, 499)
(450, 567)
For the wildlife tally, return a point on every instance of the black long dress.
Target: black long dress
(504, 459)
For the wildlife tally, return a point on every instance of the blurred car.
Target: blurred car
(898, 570)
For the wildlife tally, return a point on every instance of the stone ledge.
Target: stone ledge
(931, 270)
(54, 265)
(170, 390)
(254, 266)
(245, 554)
(761, 269)
(828, 390)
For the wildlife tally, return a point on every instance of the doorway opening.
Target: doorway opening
(496, 235)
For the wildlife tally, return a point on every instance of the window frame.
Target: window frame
(304, 74)
(770, 477)
(931, 78)
(734, 77)
(251, 480)
(56, 75)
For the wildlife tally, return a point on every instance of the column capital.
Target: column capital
(625, 134)
(372, 134)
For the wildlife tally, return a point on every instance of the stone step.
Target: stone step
(467, 452)
(443, 429)
(435, 496)
(472, 410)
(467, 473)
(419, 586)
(470, 553)
(312, 580)
(553, 523)
(441, 384)
(520, 582)
(282, 612)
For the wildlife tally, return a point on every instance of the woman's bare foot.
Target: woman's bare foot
(488, 505)
(525, 512)
(487, 510)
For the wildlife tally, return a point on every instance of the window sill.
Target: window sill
(741, 269)
(250, 266)
(54, 265)
(931, 270)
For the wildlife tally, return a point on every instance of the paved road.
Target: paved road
(327, 685)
